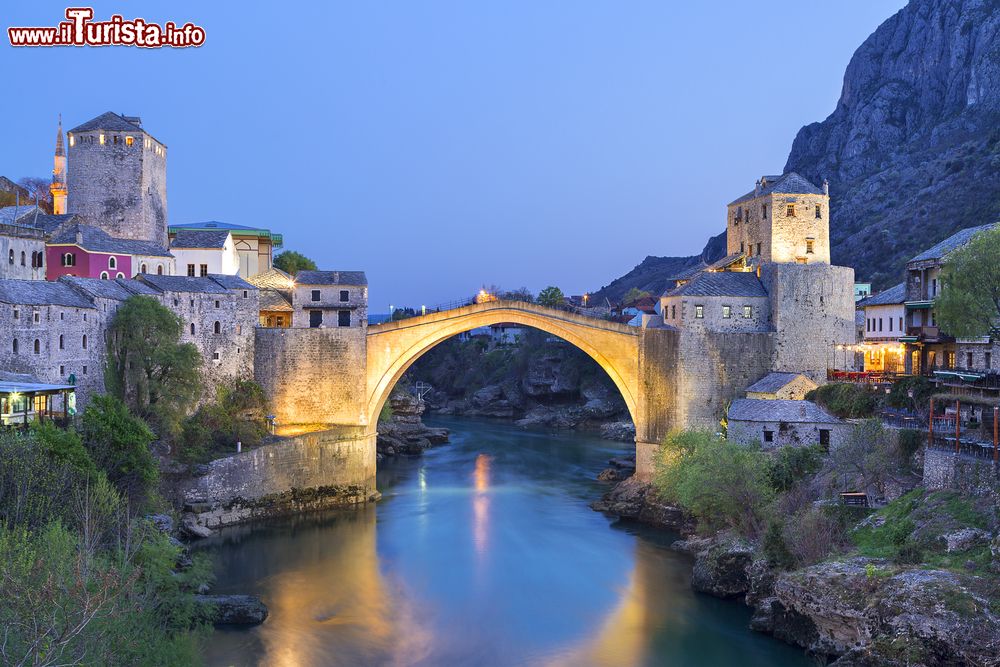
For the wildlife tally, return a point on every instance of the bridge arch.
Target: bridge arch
(392, 347)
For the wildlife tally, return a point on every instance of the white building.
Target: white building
(885, 322)
(200, 253)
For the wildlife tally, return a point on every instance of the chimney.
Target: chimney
(756, 188)
(79, 236)
(826, 187)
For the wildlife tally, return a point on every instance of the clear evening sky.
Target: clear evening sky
(440, 146)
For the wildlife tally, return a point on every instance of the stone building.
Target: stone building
(117, 178)
(22, 252)
(722, 301)
(275, 288)
(782, 423)
(785, 386)
(324, 299)
(254, 245)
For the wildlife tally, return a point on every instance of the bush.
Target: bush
(776, 549)
(899, 394)
(238, 414)
(64, 446)
(119, 444)
(846, 400)
(791, 465)
(721, 483)
(910, 442)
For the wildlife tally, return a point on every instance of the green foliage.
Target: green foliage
(238, 413)
(119, 444)
(910, 442)
(64, 446)
(867, 459)
(634, 294)
(292, 262)
(775, 548)
(845, 400)
(403, 314)
(791, 465)
(148, 368)
(969, 304)
(552, 297)
(33, 485)
(721, 483)
(899, 394)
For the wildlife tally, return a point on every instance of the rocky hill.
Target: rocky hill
(912, 151)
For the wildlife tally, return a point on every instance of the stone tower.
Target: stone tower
(118, 178)
(784, 219)
(58, 187)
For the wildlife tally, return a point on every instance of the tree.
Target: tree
(148, 367)
(867, 459)
(634, 294)
(552, 297)
(119, 444)
(403, 313)
(38, 190)
(969, 304)
(292, 262)
(519, 294)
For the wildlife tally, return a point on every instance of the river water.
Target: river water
(481, 552)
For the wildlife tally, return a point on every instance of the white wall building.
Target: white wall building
(200, 253)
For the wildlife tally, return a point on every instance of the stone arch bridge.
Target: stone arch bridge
(336, 380)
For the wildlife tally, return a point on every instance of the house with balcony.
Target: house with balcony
(884, 325)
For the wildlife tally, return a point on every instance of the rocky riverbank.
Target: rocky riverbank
(853, 610)
(404, 433)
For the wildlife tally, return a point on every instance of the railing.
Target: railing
(863, 377)
(970, 447)
(924, 331)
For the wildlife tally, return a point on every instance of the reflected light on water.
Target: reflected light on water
(481, 504)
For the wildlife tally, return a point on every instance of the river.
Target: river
(481, 552)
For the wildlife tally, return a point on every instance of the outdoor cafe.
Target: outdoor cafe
(945, 431)
(24, 400)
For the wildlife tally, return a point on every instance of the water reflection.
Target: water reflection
(481, 553)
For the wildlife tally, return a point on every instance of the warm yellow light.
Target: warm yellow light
(101, 139)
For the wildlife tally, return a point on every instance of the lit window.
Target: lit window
(72, 140)
(726, 312)
(748, 311)
(790, 211)
(129, 141)
(699, 312)
(809, 246)
(101, 139)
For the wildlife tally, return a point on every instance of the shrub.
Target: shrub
(775, 548)
(237, 414)
(119, 445)
(899, 394)
(791, 465)
(846, 400)
(910, 442)
(64, 446)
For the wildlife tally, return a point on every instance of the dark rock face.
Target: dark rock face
(723, 568)
(633, 499)
(234, 609)
(912, 151)
(405, 434)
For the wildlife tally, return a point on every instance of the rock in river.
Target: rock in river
(234, 609)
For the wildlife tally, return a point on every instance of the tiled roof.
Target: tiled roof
(953, 242)
(272, 278)
(272, 299)
(892, 296)
(721, 283)
(331, 278)
(726, 261)
(214, 224)
(781, 410)
(96, 288)
(97, 240)
(183, 284)
(190, 238)
(688, 273)
(231, 282)
(108, 121)
(790, 183)
(137, 286)
(9, 215)
(41, 293)
(772, 382)
(48, 223)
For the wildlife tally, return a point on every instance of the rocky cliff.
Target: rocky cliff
(912, 150)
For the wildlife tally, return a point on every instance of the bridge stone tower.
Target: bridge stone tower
(118, 178)
(58, 187)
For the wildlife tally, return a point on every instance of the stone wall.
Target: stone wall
(119, 188)
(812, 310)
(680, 312)
(313, 375)
(329, 303)
(945, 470)
(16, 244)
(782, 238)
(311, 471)
(785, 434)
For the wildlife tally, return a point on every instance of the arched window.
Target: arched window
(112, 262)
(24, 259)
(38, 346)
(142, 268)
(62, 345)
(69, 259)
(119, 275)
(15, 346)
(85, 341)
(192, 328)
(11, 256)
(104, 275)
(218, 328)
(159, 269)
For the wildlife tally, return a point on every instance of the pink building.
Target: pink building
(88, 252)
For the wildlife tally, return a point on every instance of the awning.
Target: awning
(919, 305)
(965, 376)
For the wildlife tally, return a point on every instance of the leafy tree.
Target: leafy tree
(634, 294)
(845, 400)
(148, 367)
(238, 414)
(119, 443)
(403, 313)
(867, 459)
(724, 485)
(64, 446)
(519, 294)
(552, 297)
(792, 465)
(969, 304)
(292, 262)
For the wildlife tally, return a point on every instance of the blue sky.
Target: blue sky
(440, 146)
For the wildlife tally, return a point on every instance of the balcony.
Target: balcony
(924, 333)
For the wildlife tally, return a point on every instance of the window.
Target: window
(191, 302)
(119, 275)
(900, 324)
(763, 210)
(890, 324)
(819, 211)
(104, 275)
(215, 356)
(343, 318)
(101, 137)
(934, 287)
(726, 312)
(17, 313)
(741, 248)
(809, 246)
(23, 259)
(748, 312)
(216, 303)
(204, 270)
(191, 270)
(84, 370)
(129, 141)
(115, 139)
(768, 436)
(36, 316)
(880, 325)
(824, 439)
(988, 360)
(246, 294)
(673, 312)
(968, 360)
(85, 341)
(192, 328)
(239, 329)
(159, 269)
(112, 262)
(176, 302)
(758, 250)
(699, 312)
(949, 360)
(315, 318)
(217, 327)
(344, 295)
(142, 268)
(315, 295)
(62, 370)
(61, 345)
(69, 259)
(11, 255)
(790, 211)
(15, 346)
(38, 346)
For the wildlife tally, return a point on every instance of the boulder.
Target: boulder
(233, 609)
(965, 539)
(191, 528)
(634, 499)
(611, 475)
(621, 431)
(162, 522)
(723, 570)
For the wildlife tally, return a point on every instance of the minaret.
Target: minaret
(58, 187)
